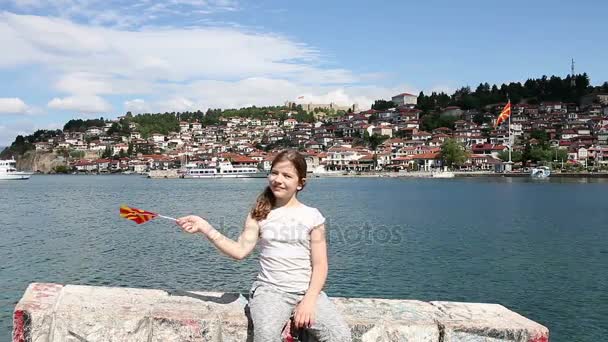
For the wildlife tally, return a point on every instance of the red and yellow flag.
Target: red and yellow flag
(504, 115)
(137, 215)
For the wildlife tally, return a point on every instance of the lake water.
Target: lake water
(538, 247)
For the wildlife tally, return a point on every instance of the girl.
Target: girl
(293, 257)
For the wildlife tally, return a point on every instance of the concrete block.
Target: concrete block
(373, 319)
(53, 312)
(479, 322)
(31, 318)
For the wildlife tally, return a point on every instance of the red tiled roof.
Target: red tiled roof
(427, 155)
(243, 159)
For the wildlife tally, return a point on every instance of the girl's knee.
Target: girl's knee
(335, 331)
(266, 333)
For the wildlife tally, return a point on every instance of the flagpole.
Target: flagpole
(510, 143)
(167, 217)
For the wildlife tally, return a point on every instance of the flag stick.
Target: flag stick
(167, 217)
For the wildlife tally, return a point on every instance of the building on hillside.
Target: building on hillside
(310, 107)
(405, 99)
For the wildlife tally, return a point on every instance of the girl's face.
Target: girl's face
(283, 180)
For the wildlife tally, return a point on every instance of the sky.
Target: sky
(67, 59)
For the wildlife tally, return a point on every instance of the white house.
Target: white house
(405, 99)
(582, 153)
(157, 138)
(383, 130)
(118, 147)
(290, 123)
(184, 126)
(94, 131)
(342, 158)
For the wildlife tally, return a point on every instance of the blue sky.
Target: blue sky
(90, 58)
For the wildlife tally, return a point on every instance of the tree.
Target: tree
(77, 154)
(540, 135)
(453, 153)
(383, 105)
(516, 156)
(372, 118)
(480, 119)
(61, 169)
(107, 153)
(374, 140)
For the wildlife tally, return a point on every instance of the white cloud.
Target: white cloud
(136, 106)
(201, 95)
(179, 68)
(126, 13)
(195, 53)
(9, 131)
(13, 105)
(84, 104)
(441, 88)
(178, 104)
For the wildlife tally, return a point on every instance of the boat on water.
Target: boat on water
(223, 170)
(8, 171)
(321, 171)
(443, 174)
(540, 172)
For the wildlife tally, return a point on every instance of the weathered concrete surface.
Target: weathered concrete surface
(53, 312)
(477, 322)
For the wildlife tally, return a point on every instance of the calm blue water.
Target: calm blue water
(539, 248)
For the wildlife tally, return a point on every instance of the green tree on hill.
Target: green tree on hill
(383, 105)
(533, 91)
(374, 140)
(453, 153)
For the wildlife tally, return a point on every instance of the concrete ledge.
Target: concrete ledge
(53, 312)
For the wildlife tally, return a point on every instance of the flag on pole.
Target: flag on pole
(504, 115)
(139, 216)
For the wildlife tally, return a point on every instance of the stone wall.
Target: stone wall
(54, 312)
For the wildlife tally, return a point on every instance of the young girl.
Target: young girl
(293, 257)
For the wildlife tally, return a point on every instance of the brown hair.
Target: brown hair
(266, 200)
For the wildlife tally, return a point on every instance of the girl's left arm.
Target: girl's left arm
(304, 315)
(318, 255)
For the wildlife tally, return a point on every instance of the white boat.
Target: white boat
(8, 171)
(540, 172)
(223, 170)
(443, 174)
(320, 171)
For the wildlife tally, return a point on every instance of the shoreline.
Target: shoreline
(379, 175)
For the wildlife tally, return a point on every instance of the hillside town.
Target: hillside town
(342, 142)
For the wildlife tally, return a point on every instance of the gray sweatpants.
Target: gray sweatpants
(271, 308)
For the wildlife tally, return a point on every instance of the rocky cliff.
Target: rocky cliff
(40, 161)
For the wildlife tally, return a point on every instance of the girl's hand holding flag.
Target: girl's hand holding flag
(194, 224)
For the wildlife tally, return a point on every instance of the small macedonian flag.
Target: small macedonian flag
(504, 115)
(137, 215)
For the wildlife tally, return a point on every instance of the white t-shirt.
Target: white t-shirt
(285, 247)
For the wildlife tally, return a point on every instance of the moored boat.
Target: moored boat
(223, 170)
(540, 172)
(8, 171)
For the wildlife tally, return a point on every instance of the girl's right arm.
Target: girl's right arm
(236, 249)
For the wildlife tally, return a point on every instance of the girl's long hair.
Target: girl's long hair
(266, 200)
